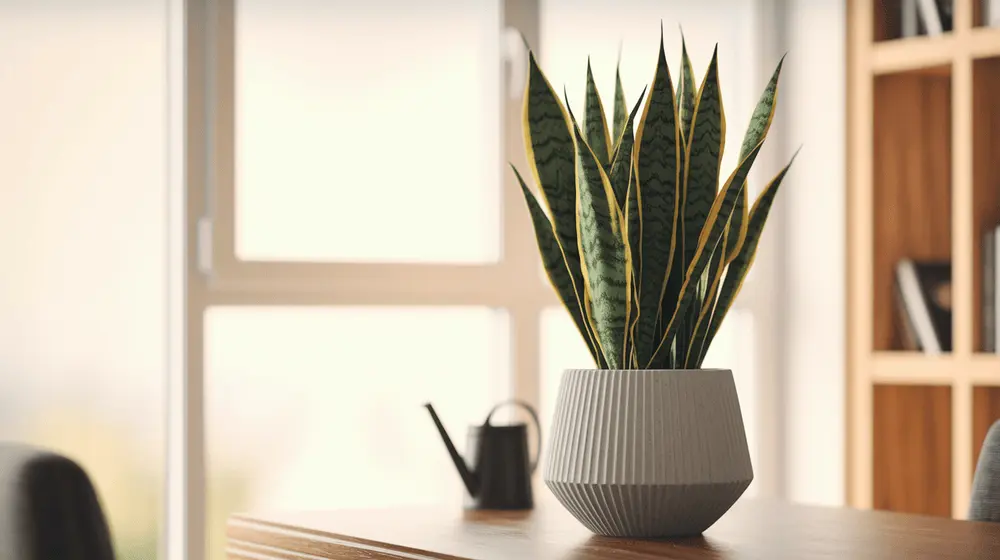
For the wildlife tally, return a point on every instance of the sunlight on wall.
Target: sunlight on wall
(81, 240)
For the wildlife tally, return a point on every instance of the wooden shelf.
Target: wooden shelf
(933, 55)
(914, 368)
(924, 184)
(911, 186)
(985, 411)
(924, 54)
(983, 42)
(985, 171)
(913, 475)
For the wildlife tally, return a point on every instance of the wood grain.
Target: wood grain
(751, 530)
(985, 172)
(912, 449)
(985, 411)
(912, 174)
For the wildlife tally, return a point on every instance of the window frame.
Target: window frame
(205, 270)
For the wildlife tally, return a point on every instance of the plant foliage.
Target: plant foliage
(642, 246)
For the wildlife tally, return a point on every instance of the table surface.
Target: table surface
(751, 530)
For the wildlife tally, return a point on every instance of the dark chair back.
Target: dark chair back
(49, 509)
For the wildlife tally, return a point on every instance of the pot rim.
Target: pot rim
(631, 371)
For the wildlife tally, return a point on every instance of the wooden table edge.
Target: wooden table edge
(299, 542)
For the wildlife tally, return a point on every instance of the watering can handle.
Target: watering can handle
(534, 418)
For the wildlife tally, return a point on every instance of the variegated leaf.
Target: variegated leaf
(602, 246)
(704, 311)
(740, 266)
(619, 110)
(705, 147)
(657, 165)
(715, 225)
(633, 235)
(621, 163)
(760, 123)
(548, 138)
(685, 91)
(595, 123)
(554, 261)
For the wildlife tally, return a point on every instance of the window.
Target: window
(360, 246)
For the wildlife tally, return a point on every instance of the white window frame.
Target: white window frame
(205, 271)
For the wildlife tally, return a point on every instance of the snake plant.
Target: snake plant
(643, 248)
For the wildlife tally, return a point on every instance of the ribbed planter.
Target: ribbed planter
(647, 453)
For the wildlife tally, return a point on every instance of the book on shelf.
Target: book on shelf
(926, 17)
(990, 10)
(923, 296)
(990, 290)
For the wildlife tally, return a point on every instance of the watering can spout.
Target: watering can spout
(468, 477)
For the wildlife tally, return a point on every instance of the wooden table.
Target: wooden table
(751, 530)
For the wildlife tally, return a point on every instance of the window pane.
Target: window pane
(82, 337)
(321, 408)
(562, 348)
(368, 131)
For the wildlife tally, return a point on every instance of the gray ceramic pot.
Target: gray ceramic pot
(647, 453)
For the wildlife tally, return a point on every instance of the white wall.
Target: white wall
(82, 241)
(814, 244)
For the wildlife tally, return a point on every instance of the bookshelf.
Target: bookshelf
(923, 183)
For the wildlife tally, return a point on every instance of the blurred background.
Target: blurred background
(367, 133)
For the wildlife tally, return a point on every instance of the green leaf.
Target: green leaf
(685, 91)
(713, 275)
(619, 110)
(554, 261)
(621, 163)
(703, 157)
(633, 224)
(715, 226)
(657, 162)
(633, 236)
(760, 123)
(595, 123)
(605, 260)
(763, 113)
(740, 266)
(548, 139)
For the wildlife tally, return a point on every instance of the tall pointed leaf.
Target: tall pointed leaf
(554, 261)
(705, 147)
(686, 90)
(633, 236)
(633, 224)
(595, 123)
(548, 139)
(620, 107)
(657, 166)
(760, 123)
(718, 219)
(739, 267)
(621, 163)
(605, 260)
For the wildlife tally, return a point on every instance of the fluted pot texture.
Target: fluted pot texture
(647, 453)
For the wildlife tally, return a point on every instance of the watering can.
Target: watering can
(497, 468)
